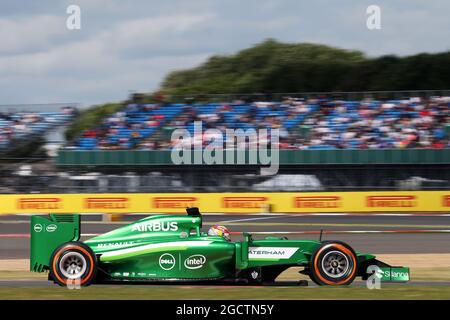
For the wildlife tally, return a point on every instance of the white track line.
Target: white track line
(251, 219)
(335, 214)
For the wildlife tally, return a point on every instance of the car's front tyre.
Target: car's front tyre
(333, 263)
(72, 264)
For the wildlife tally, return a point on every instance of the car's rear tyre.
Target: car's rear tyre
(72, 264)
(334, 263)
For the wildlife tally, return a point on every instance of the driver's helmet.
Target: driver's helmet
(220, 231)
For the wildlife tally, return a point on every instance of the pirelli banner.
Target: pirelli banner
(420, 201)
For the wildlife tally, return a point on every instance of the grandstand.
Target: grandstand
(20, 126)
(305, 124)
(128, 127)
(327, 142)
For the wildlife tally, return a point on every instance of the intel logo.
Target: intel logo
(51, 228)
(195, 261)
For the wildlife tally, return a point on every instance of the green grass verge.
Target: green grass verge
(190, 292)
(417, 274)
(155, 292)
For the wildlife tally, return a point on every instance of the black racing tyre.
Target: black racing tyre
(73, 263)
(334, 263)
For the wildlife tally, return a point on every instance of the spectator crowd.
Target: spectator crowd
(18, 126)
(316, 123)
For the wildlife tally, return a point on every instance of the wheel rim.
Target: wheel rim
(72, 265)
(335, 264)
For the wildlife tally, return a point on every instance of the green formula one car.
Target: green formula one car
(168, 248)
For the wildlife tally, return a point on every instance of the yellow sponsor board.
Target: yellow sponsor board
(302, 202)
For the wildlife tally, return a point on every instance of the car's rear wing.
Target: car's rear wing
(47, 233)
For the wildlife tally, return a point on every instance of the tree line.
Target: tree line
(274, 67)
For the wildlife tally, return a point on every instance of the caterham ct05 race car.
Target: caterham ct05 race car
(168, 248)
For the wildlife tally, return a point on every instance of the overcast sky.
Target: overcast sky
(130, 46)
